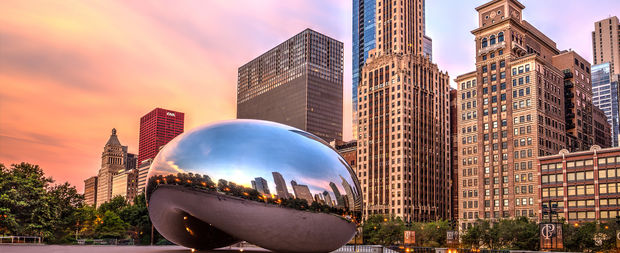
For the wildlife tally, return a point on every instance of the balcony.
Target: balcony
(568, 84)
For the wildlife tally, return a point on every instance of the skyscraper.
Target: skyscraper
(363, 42)
(113, 160)
(364, 32)
(157, 128)
(605, 97)
(260, 184)
(90, 191)
(454, 155)
(297, 83)
(403, 120)
(328, 198)
(606, 44)
(281, 188)
(512, 111)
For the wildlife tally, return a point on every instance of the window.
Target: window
(484, 42)
(500, 37)
(492, 39)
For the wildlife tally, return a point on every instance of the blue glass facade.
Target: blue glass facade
(363, 41)
(605, 96)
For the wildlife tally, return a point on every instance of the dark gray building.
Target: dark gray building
(297, 83)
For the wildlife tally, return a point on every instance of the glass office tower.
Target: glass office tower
(363, 41)
(605, 96)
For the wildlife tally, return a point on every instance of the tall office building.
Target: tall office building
(157, 128)
(605, 96)
(577, 100)
(281, 188)
(363, 42)
(297, 83)
(113, 160)
(403, 121)
(606, 44)
(260, 184)
(90, 191)
(125, 184)
(339, 198)
(512, 111)
(364, 32)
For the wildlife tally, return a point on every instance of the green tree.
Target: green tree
(116, 204)
(111, 226)
(382, 230)
(24, 202)
(137, 217)
(431, 234)
(518, 234)
(64, 205)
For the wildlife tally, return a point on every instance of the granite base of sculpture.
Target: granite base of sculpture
(271, 185)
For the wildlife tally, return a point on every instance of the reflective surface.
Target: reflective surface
(269, 184)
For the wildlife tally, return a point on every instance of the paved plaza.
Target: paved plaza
(110, 249)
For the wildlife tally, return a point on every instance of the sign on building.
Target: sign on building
(452, 237)
(551, 236)
(409, 237)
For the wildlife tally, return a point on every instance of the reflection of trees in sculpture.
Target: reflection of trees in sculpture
(204, 183)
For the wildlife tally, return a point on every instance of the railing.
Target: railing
(19, 239)
(105, 242)
(365, 248)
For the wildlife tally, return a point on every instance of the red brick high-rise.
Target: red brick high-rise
(157, 128)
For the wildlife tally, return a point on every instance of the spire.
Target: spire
(113, 139)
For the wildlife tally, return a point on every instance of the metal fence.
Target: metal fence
(15, 239)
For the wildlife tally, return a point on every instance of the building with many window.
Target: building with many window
(90, 191)
(583, 186)
(363, 42)
(606, 43)
(602, 129)
(454, 154)
(577, 100)
(157, 128)
(605, 97)
(113, 160)
(403, 140)
(512, 111)
(125, 184)
(297, 83)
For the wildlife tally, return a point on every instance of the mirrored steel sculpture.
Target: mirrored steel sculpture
(271, 185)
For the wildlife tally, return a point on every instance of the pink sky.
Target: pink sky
(70, 70)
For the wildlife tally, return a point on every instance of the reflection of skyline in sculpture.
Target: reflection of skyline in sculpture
(281, 188)
(339, 197)
(349, 199)
(328, 199)
(302, 191)
(199, 190)
(260, 184)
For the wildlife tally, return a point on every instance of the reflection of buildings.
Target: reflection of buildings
(319, 199)
(281, 189)
(157, 128)
(260, 184)
(328, 199)
(125, 184)
(90, 191)
(339, 198)
(297, 83)
(113, 160)
(302, 191)
(350, 202)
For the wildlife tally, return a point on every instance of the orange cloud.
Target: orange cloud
(72, 70)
